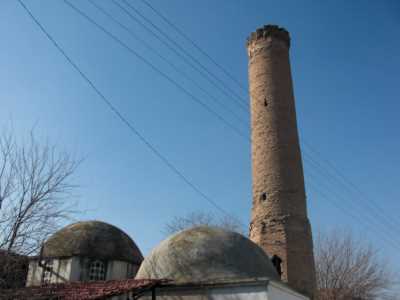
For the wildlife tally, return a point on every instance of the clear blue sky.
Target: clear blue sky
(345, 60)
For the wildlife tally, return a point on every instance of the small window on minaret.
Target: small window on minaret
(263, 196)
(277, 262)
(265, 102)
(263, 227)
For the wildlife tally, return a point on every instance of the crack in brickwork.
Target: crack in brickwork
(279, 224)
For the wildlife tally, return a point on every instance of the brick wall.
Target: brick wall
(279, 222)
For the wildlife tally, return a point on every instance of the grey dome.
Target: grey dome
(93, 239)
(206, 253)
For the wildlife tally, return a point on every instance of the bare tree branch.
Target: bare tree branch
(35, 185)
(348, 268)
(202, 219)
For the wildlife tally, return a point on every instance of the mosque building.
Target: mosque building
(85, 251)
(95, 260)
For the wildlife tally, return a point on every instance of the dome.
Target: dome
(93, 239)
(206, 253)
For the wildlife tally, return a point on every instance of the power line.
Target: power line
(348, 182)
(354, 216)
(165, 59)
(372, 203)
(143, 41)
(371, 220)
(375, 216)
(157, 70)
(122, 118)
(150, 64)
(351, 187)
(186, 37)
(376, 206)
(183, 50)
(109, 34)
(180, 55)
(127, 29)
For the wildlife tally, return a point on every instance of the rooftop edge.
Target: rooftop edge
(269, 31)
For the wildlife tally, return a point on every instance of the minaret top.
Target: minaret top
(269, 31)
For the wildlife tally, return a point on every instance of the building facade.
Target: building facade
(206, 262)
(211, 263)
(85, 251)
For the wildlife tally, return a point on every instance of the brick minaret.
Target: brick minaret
(279, 222)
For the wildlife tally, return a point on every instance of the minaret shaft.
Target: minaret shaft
(279, 222)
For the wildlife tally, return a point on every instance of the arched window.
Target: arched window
(97, 270)
(263, 197)
(277, 262)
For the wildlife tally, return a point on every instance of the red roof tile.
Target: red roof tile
(80, 290)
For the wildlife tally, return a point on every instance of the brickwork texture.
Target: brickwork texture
(279, 222)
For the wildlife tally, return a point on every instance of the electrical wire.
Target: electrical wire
(157, 70)
(195, 45)
(119, 41)
(170, 63)
(371, 203)
(123, 119)
(183, 50)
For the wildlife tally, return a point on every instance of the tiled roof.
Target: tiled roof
(80, 290)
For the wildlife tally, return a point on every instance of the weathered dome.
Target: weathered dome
(93, 239)
(206, 253)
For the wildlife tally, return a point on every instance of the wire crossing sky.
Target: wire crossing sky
(350, 121)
